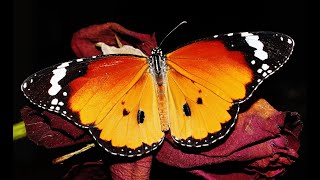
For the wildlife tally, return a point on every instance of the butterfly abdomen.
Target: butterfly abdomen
(163, 107)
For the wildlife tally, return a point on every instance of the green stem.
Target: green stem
(19, 131)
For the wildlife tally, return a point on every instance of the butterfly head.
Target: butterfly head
(156, 51)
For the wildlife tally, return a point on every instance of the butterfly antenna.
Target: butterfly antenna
(183, 22)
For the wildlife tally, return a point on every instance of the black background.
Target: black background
(42, 33)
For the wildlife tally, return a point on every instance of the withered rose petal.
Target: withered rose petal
(50, 130)
(260, 135)
(83, 41)
(139, 169)
(230, 176)
(88, 170)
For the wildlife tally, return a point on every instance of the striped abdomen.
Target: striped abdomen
(163, 106)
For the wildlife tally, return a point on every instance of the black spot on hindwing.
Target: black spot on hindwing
(199, 100)
(186, 109)
(140, 116)
(125, 112)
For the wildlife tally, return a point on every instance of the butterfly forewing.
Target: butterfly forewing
(111, 95)
(208, 78)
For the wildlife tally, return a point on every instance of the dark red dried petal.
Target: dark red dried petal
(88, 170)
(292, 129)
(50, 130)
(218, 176)
(258, 136)
(83, 41)
(139, 169)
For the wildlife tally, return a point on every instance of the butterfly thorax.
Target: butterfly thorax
(158, 69)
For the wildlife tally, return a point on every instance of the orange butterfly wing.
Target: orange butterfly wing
(209, 78)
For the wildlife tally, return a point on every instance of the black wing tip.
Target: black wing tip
(281, 35)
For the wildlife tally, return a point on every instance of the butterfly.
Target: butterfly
(128, 102)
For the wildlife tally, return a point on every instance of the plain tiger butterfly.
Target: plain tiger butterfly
(128, 102)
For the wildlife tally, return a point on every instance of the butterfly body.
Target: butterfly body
(158, 69)
(128, 102)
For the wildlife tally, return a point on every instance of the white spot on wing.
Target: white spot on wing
(58, 74)
(61, 103)
(259, 70)
(79, 60)
(265, 66)
(289, 41)
(54, 101)
(253, 62)
(65, 93)
(254, 42)
(63, 65)
(24, 85)
(244, 34)
(264, 74)
(230, 34)
(31, 80)
(57, 108)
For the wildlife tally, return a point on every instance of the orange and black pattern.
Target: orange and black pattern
(124, 103)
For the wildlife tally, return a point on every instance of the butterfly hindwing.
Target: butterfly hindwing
(105, 94)
(133, 123)
(209, 78)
